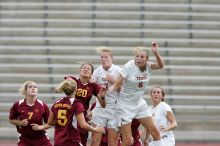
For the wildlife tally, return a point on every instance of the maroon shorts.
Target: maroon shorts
(42, 141)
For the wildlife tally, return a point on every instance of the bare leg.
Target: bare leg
(149, 124)
(112, 137)
(126, 135)
(96, 138)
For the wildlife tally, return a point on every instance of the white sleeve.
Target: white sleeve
(166, 108)
(125, 70)
(95, 75)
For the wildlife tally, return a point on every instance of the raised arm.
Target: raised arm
(160, 63)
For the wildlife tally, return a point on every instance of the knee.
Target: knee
(112, 142)
(128, 141)
(94, 142)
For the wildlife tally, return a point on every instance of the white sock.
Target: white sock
(158, 143)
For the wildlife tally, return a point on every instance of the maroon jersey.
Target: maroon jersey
(85, 91)
(65, 111)
(37, 113)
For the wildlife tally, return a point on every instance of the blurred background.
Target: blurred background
(44, 40)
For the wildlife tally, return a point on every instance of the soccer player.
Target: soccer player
(28, 115)
(134, 128)
(66, 114)
(163, 116)
(132, 83)
(105, 75)
(84, 93)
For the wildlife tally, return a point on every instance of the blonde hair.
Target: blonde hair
(23, 88)
(142, 49)
(104, 49)
(68, 86)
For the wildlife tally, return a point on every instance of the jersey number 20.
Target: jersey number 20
(81, 92)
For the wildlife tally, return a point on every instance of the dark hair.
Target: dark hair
(89, 65)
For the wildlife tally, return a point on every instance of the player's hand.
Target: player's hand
(154, 47)
(36, 127)
(24, 122)
(162, 128)
(102, 91)
(110, 88)
(89, 115)
(100, 129)
(109, 78)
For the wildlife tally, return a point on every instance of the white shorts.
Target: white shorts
(104, 117)
(169, 141)
(126, 112)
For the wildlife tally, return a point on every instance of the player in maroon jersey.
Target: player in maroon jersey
(66, 114)
(85, 91)
(28, 115)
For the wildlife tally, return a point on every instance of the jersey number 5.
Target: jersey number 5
(62, 119)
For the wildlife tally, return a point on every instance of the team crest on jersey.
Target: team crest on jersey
(141, 78)
(36, 111)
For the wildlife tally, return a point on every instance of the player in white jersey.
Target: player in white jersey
(105, 75)
(163, 116)
(132, 83)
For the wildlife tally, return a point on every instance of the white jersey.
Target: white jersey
(135, 82)
(99, 76)
(159, 114)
